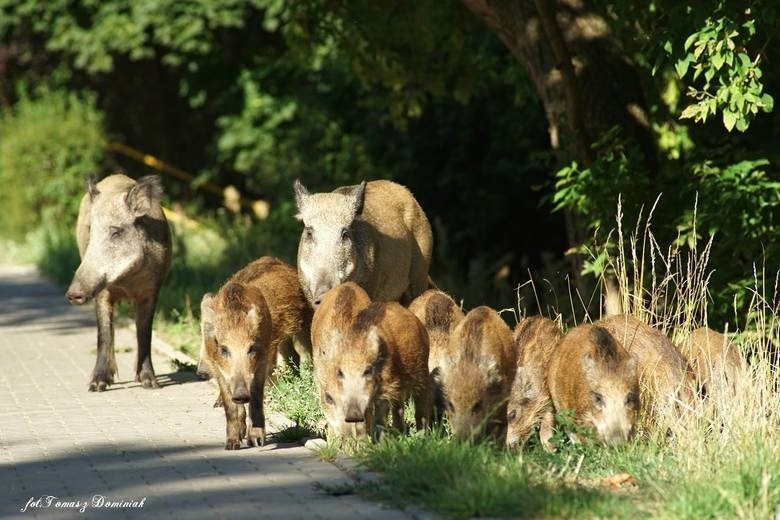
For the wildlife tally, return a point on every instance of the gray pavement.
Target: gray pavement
(164, 446)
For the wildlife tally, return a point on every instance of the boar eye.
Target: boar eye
(115, 232)
(525, 401)
(328, 398)
(512, 415)
(599, 399)
(223, 351)
(253, 350)
(477, 408)
(368, 371)
(631, 400)
(308, 233)
(340, 374)
(345, 234)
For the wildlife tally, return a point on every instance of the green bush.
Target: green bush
(48, 145)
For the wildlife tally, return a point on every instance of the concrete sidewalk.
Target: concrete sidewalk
(164, 446)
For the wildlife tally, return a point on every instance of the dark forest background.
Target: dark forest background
(517, 125)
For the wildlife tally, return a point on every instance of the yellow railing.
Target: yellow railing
(231, 197)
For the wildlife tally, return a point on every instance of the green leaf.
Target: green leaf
(718, 60)
(690, 111)
(729, 119)
(682, 66)
(768, 102)
(689, 40)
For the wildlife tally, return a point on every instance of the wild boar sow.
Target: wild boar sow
(257, 311)
(374, 234)
(477, 373)
(592, 375)
(125, 247)
(529, 401)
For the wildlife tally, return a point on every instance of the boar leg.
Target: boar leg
(144, 314)
(285, 356)
(105, 365)
(546, 431)
(256, 434)
(302, 344)
(235, 418)
(423, 409)
(398, 416)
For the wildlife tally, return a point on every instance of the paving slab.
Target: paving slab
(131, 452)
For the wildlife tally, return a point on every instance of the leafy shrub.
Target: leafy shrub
(48, 145)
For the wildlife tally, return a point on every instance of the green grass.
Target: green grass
(293, 394)
(463, 480)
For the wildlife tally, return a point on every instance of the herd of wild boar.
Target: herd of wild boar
(362, 307)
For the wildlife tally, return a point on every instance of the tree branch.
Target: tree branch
(564, 64)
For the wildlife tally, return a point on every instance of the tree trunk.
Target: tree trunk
(585, 82)
(583, 78)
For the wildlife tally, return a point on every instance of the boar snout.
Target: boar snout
(203, 371)
(84, 287)
(354, 414)
(240, 393)
(77, 294)
(320, 285)
(615, 435)
(76, 297)
(319, 294)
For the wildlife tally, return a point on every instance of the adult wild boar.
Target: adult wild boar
(257, 311)
(592, 375)
(374, 234)
(125, 247)
(477, 375)
(529, 401)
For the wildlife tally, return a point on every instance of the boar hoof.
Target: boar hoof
(147, 380)
(218, 403)
(256, 436)
(233, 444)
(98, 385)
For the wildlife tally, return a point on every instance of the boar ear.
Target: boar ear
(207, 307)
(631, 366)
(358, 198)
(207, 314)
(253, 317)
(606, 346)
(332, 346)
(374, 342)
(144, 196)
(301, 194)
(492, 371)
(590, 367)
(92, 187)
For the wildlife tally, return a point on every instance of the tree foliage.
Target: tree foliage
(258, 92)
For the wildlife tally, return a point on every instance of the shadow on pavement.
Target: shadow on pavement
(176, 479)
